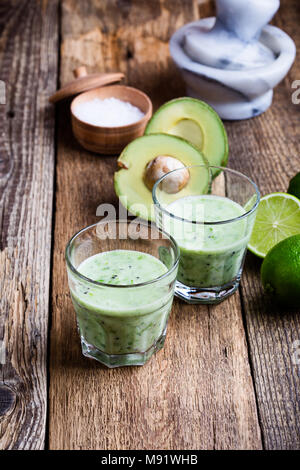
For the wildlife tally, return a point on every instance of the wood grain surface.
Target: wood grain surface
(226, 378)
(267, 148)
(28, 66)
(198, 391)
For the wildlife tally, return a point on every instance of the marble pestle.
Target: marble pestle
(234, 61)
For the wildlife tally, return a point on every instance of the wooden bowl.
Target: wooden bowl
(110, 140)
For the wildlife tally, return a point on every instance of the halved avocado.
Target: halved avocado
(196, 122)
(129, 181)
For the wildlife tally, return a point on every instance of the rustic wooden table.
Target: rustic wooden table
(226, 378)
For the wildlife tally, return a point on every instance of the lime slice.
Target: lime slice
(278, 217)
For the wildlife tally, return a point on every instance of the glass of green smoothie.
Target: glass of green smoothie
(122, 277)
(211, 217)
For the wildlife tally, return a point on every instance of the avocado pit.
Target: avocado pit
(161, 165)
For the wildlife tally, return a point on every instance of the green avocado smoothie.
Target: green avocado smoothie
(211, 255)
(116, 314)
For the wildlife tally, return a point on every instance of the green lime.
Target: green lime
(280, 272)
(278, 217)
(294, 186)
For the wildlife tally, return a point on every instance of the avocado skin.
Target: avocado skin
(204, 106)
(128, 180)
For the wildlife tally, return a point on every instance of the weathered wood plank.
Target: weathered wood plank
(197, 392)
(267, 149)
(28, 66)
(207, 8)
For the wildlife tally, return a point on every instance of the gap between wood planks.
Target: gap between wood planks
(47, 447)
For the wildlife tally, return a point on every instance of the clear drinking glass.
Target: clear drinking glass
(211, 219)
(122, 325)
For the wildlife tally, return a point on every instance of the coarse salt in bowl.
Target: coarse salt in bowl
(110, 112)
(106, 119)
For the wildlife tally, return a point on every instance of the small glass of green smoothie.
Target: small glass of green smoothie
(122, 278)
(211, 218)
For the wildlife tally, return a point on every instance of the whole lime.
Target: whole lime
(280, 272)
(294, 186)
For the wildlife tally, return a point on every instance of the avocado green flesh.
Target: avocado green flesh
(129, 181)
(196, 122)
(189, 130)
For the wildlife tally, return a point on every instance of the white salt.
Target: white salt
(110, 112)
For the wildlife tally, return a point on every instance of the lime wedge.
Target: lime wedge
(278, 217)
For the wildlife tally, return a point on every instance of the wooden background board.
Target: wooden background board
(268, 149)
(28, 66)
(226, 377)
(175, 401)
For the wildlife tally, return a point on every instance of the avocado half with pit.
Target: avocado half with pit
(195, 121)
(145, 160)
